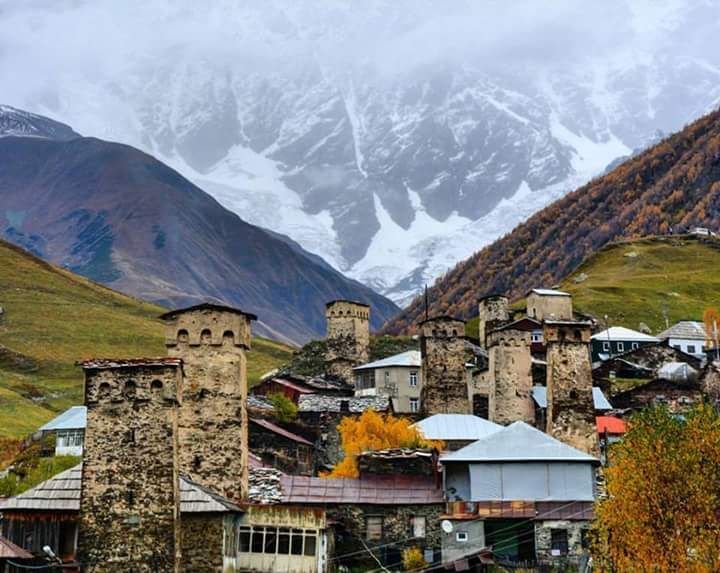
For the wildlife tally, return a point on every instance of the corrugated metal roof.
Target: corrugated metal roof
(292, 385)
(62, 493)
(517, 442)
(74, 418)
(411, 358)
(456, 427)
(623, 334)
(690, 329)
(610, 424)
(672, 370)
(374, 490)
(280, 431)
(8, 550)
(600, 402)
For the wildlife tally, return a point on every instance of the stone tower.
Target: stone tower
(130, 501)
(212, 341)
(348, 337)
(510, 365)
(445, 378)
(492, 313)
(571, 411)
(549, 304)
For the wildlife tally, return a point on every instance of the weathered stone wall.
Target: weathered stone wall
(493, 310)
(549, 307)
(571, 411)
(543, 539)
(348, 337)
(446, 381)
(213, 418)
(282, 453)
(129, 508)
(511, 368)
(201, 541)
(710, 382)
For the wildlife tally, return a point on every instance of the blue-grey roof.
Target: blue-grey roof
(518, 442)
(411, 358)
(456, 427)
(539, 394)
(74, 418)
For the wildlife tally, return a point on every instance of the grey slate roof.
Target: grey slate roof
(456, 427)
(518, 442)
(357, 404)
(411, 358)
(539, 394)
(62, 493)
(690, 329)
(74, 418)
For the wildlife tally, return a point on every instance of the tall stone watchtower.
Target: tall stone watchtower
(549, 304)
(348, 337)
(212, 341)
(571, 411)
(130, 501)
(492, 312)
(445, 378)
(510, 365)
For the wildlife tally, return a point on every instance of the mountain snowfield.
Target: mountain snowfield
(392, 138)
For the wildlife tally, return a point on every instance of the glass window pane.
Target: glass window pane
(310, 545)
(244, 542)
(257, 539)
(284, 542)
(297, 542)
(270, 540)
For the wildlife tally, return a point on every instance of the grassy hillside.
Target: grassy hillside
(645, 280)
(52, 318)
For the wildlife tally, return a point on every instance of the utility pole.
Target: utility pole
(427, 304)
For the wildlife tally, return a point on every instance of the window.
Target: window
(584, 539)
(284, 541)
(244, 540)
(373, 528)
(634, 345)
(270, 540)
(70, 438)
(621, 347)
(461, 536)
(606, 346)
(691, 349)
(310, 545)
(257, 543)
(677, 347)
(417, 526)
(277, 541)
(387, 376)
(559, 541)
(414, 405)
(296, 542)
(413, 379)
(536, 336)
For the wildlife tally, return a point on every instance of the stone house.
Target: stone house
(293, 386)
(549, 304)
(69, 431)
(522, 493)
(617, 340)
(456, 430)
(688, 336)
(678, 396)
(280, 448)
(398, 376)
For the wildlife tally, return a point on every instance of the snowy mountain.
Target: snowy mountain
(392, 138)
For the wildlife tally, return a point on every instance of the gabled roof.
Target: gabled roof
(74, 418)
(690, 329)
(548, 292)
(8, 550)
(623, 334)
(280, 431)
(456, 427)
(610, 424)
(206, 306)
(411, 358)
(600, 402)
(518, 442)
(289, 384)
(62, 493)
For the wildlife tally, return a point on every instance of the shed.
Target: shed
(69, 429)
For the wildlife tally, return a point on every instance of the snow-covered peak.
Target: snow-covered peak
(19, 123)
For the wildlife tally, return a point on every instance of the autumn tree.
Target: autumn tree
(374, 431)
(711, 319)
(662, 507)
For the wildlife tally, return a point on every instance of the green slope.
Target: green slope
(52, 318)
(645, 280)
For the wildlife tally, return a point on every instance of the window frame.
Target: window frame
(378, 525)
(413, 379)
(563, 544)
(620, 345)
(414, 405)
(461, 537)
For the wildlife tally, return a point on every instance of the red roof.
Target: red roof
(374, 490)
(610, 424)
(280, 431)
(291, 385)
(8, 550)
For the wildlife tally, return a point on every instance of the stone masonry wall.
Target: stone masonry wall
(445, 377)
(202, 543)
(492, 312)
(549, 307)
(348, 338)
(510, 366)
(129, 508)
(213, 428)
(571, 411)
(543, 539)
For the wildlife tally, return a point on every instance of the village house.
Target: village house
(398, 376)
(617, 340)
(293, 386)
(521, 493)
(69, 431)
(280, 448)
(679, 396)
(456, 430)
(688, 336)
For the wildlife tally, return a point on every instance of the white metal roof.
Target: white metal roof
(539, 394)
(623, 334)
(456, 427)
(411, 358)
(671, 369)
(74, 418)
(689, 329)
(518, 442)
(549, 292)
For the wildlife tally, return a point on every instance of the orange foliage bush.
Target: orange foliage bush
(373, 431)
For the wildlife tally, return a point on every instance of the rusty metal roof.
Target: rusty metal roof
(206, 306)
(8, 550)
(292, 385)
(280, 431)
(370, 490)
(106, 363)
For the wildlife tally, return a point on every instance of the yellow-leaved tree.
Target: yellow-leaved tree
(711, 319)
(374, 431)
(662, 512)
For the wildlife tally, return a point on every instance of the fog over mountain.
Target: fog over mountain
(391, 137)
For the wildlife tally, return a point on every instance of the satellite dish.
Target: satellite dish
(447, 526)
